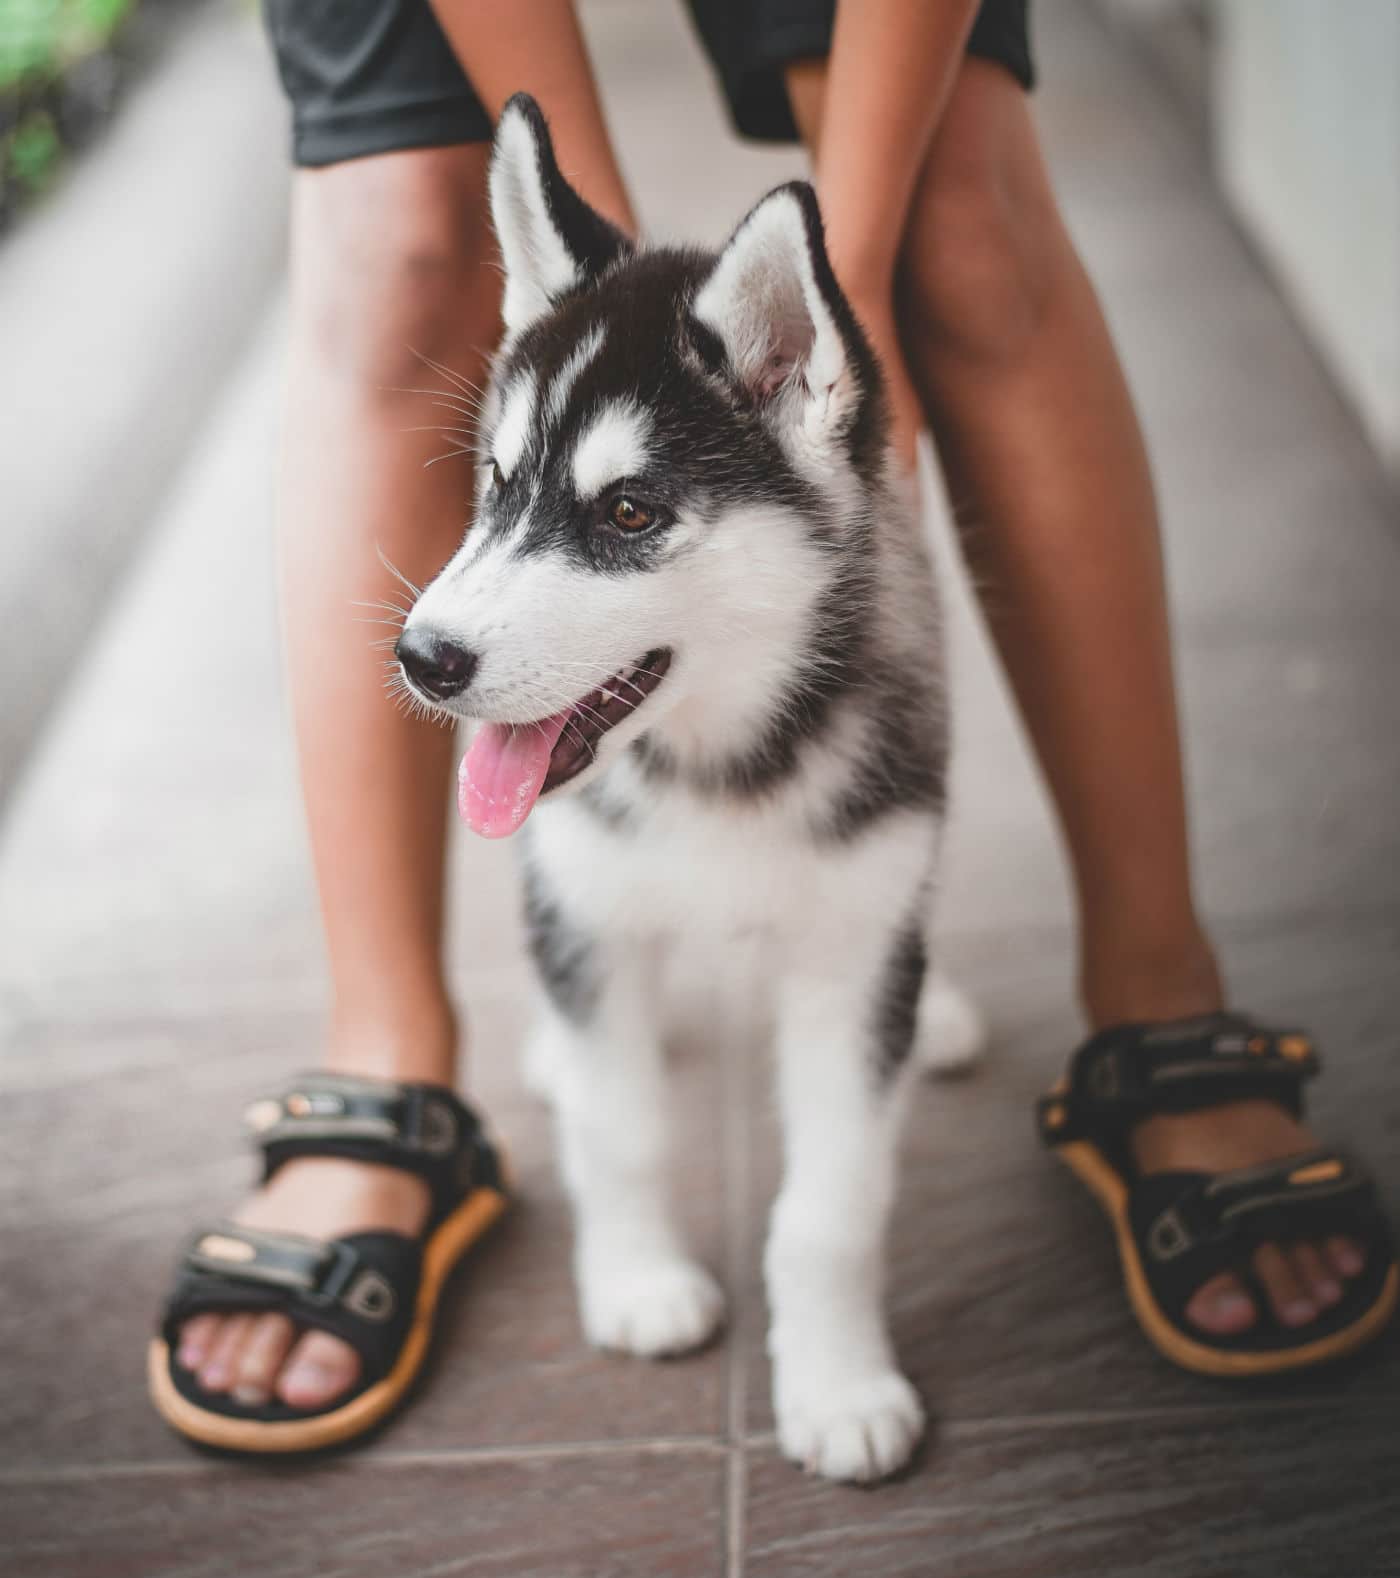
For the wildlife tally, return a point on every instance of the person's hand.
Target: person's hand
(866, 275)
(876, 315)
(869, 114)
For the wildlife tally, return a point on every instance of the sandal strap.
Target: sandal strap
(1129, 1072)
(1192, 1225)
(1311, 1193)
(361, 1288)
(419, 1128)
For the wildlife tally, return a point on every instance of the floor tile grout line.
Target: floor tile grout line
(947, 1429)
(710, 1447)
(736, 1486)
(1241, 1410)
(734, 1092)
(713, 1447)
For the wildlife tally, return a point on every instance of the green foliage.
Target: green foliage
(41, 38)
(34, 151)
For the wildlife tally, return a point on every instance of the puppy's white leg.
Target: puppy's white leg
(545, 1049)
(951, 1035)
(639, 1290)
(844, 1033)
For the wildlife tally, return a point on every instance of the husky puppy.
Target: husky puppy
(695, 623)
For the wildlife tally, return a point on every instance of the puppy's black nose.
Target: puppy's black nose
(435, 666)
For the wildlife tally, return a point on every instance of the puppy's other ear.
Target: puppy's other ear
(786, 329)
(551, 240)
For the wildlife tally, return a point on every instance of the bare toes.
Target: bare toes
(196, 1338)
(267, 1345)
(1346, 1257)
(220, 1367)
(1221, 1306)
(318, 1370)
(1288, 1297)
(1312, 1271)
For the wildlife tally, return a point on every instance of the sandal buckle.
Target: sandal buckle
(370, 1296)
(338, 1267)
(1104, 1081)
(428, 1124)
(1168, 1236)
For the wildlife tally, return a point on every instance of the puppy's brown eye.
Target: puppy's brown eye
(628, 514)
(497, 475)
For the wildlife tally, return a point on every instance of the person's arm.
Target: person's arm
(506, 47)
(868, 114)
(891, 69)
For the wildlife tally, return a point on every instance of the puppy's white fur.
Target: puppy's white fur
(698, 871)
(613, 446)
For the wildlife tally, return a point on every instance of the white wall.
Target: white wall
(1307, 110)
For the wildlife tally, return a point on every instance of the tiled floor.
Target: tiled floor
(160, 963)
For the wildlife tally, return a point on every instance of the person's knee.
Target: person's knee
(395, 262)
(976, 270)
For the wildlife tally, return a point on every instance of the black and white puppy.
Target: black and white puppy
(696, 625)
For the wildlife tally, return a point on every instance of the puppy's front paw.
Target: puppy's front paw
(951, 1034)
(654, 1310)
(861, 1430)
(542, 1061)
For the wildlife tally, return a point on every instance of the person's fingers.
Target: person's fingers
(1316, 1276)
(318, 1369)
(196, 1338)
(1288, 1298)
(1221, 1305)
(220, 1365)
(906, 413)
(1346, 1257)
(261, 1357)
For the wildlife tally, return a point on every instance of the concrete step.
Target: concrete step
(123, 304)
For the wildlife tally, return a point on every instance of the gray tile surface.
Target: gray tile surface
(1174, 1496)
(1005, 1293)
(629, 1514)
(160, 963)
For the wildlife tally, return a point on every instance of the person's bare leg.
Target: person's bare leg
(1005, 343)
(391, 256)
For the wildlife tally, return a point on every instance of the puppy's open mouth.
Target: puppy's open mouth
(510, 765)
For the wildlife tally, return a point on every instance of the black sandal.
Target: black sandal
(377, 1291)
(1175, 1230)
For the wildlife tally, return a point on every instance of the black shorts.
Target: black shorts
(750, 41)
(375, 76)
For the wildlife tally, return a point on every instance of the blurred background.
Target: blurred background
(1231, 171)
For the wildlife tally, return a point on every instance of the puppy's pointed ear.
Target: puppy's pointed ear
(551, 240)
(787, 332)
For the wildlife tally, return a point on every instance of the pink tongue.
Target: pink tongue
(503, 772)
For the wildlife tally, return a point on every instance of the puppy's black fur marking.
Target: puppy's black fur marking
(612, 810)
(712, 453)
(593, 240)
(897, 1005)
(904, 767)
(866, 436)
(804, 712)
(712, 448)
(563, 954)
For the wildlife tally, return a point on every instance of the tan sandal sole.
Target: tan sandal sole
(1103, 1181)
(440, 1256)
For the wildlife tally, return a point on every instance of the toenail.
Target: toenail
(1296, 1312)
(307, 1377)
(1351, 1260)
(249, 1396)
(1328, 1291)
(1228, 1302)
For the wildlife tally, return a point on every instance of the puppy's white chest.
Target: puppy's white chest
(707, 871)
